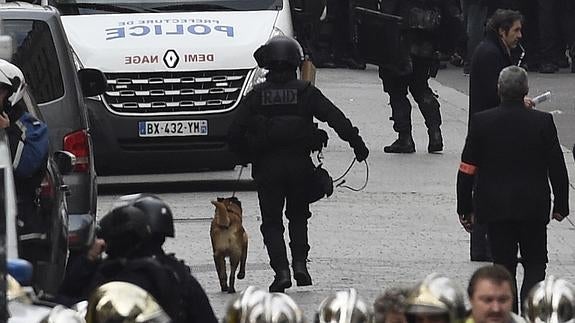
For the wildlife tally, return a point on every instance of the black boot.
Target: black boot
(403, 145)
(435, 140)
(301, 274)
(282, 280)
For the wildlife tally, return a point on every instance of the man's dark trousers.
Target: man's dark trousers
(417, 83)
(282, 179)
(530, 237)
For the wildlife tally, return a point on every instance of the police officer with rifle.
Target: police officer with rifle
(274, 130)
(428, 28)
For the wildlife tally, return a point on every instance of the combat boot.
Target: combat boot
(435, 140)
(282, 280)
(403, 145)
(300, 273)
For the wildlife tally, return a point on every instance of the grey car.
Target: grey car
(42, 52)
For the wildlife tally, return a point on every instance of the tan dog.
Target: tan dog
(229, 240)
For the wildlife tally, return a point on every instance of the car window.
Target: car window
(31, 105)
(35, 54)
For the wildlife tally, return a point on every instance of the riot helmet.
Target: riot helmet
(438, 295)
(121, 302)
(279, 53)
(344, 307)
(550, 301)
(134, 221)
(12, 78)
(258, 306)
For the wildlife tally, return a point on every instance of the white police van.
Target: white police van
(176, 71)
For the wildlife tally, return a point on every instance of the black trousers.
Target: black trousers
(281, 180)
(557, 28)
(479, 244)
(417, 84)
(530, 238)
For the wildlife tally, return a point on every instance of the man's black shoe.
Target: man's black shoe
(548, 68)
(301, 274)
(466, 68)
(282, 280)
(403, 145)
(435, 141)
(351, 63)
(562, 62)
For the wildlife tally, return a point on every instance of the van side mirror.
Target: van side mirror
(92, 81)
(65, 161)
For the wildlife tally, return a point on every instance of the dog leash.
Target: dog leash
(238, 180)
(341, 178)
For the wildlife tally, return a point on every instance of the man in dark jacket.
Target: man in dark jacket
(274, 130)
(29, 147)
(503, 32)
(492, 55)
(511, 155)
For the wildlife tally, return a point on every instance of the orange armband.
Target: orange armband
(468, 169)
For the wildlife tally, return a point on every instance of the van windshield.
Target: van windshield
(91, 7)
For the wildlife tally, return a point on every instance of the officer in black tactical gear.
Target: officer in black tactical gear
(429, 26)
(134, 232)
(274, 130)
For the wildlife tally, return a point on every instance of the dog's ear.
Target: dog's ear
(220, 199)
(236, 201)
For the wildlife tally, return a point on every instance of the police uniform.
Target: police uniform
(274, 130)
(423, 21)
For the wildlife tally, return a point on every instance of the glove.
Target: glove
(318, 140)
(361, 152)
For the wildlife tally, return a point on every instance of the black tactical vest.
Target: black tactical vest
(280, 119)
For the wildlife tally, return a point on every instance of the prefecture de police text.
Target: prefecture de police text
(172, 29)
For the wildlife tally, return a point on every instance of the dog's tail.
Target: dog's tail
(221, 217)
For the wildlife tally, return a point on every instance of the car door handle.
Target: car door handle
(66, 189)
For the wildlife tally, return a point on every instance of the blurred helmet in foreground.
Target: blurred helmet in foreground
(550, 301)
(120, 302)
(12, 78)
(257, 306)
(344, 307)
(437, 295)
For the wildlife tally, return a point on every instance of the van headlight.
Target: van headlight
(258, 77)
(259, 74)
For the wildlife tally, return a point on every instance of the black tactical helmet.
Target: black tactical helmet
(141, 215)
(280, 52)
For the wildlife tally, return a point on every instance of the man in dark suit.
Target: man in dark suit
(503, 32)
(511, 155)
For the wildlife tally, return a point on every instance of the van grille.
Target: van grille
(169, 92)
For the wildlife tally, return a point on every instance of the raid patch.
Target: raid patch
(279, 96)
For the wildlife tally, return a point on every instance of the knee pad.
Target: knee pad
(426, 99)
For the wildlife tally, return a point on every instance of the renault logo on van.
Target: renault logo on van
(171, 58)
